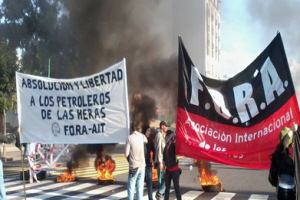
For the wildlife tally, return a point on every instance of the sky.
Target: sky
(248, 26)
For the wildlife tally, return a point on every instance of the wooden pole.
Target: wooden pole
(23, 173)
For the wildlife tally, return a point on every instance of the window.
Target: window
(208, 50)
(207, 45)
(207, 10)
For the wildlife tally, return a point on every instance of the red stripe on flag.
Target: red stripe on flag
(250, 147)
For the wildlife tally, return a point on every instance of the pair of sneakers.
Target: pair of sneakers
(159, 196)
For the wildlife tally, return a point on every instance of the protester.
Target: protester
(285, 165)
(149, 161)
(134, 152)
(159, 146)
(17, 135)
(172, 170)
(7, 140)
(25, 153)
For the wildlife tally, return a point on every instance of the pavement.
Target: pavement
(240, 183)
(13, 153)
(13, 164)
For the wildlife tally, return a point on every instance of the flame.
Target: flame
(105, 168)
(67, 176)
(207, 175)
(154, 171)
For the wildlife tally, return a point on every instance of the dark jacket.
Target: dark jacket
(284, 161)
(149, 147)
(170, 156)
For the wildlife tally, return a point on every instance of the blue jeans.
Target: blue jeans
(2, 187)
(149, 182)
(136, 182)
(162, 185)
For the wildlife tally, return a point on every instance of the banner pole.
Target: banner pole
(51, 145)
(49, 68)
(23, 173)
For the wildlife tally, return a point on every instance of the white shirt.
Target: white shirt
(135, 150)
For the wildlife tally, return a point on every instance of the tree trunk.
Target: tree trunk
(4, 132)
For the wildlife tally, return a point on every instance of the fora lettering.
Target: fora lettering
(245, 103)
(243, 93)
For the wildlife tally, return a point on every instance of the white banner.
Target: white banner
(92, 109)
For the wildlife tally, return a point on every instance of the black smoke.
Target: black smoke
(105, 32)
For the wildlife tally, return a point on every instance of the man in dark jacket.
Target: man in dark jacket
(7, 140)
(150, 148)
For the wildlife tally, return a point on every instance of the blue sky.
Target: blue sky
(248, 26)
(236, 38)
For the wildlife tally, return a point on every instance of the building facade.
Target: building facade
(198, 24)
(213, 43)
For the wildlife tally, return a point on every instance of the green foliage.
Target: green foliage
(8, 67)
(31, 26)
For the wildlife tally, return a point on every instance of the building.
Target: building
(198, 24)
(11, 121)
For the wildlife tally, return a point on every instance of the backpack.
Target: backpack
(273, 172)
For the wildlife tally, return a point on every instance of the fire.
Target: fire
(105, 168)
(207, 176)
(68, 175)
(154, 171)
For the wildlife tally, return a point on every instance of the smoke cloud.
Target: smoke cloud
(108, 31)
(105, 32)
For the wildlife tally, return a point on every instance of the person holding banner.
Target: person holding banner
(285, 165)
(159, 145)
(7, 140)
(172, 170)
(135, 154)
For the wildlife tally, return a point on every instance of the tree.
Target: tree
(31, 26)
(8, 67)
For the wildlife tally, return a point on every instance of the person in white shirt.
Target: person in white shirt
(135, 154)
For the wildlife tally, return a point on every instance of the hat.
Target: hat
(169, 137)
(286, 136)
(163, 123)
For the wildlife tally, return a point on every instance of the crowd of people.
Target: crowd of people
(138, 149)
(140, 145)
